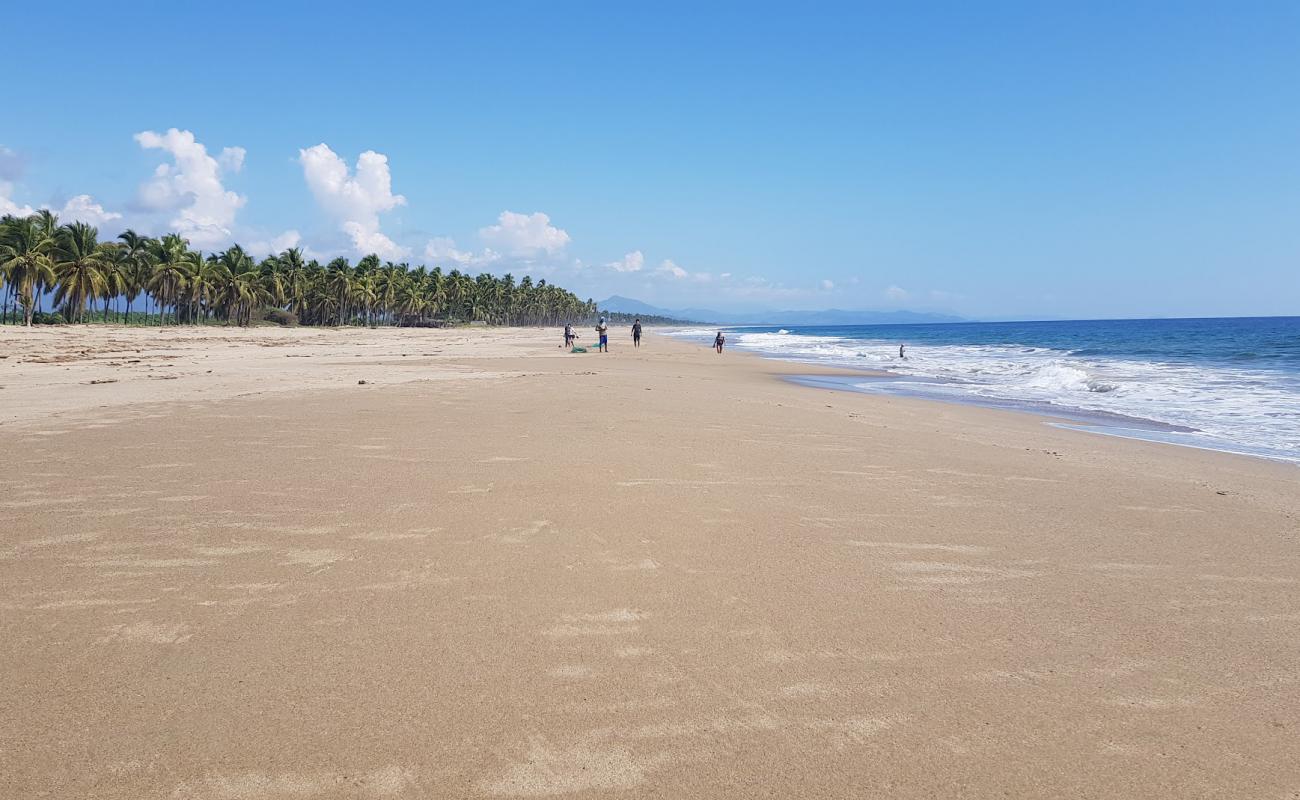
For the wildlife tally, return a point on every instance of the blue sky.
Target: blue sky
(990, 159)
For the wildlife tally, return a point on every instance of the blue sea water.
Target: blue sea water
(1225, 384)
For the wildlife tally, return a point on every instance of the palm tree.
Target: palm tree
(79, 265)
(35, 252)
(114, 276)
(135, 266)
(25, 260)
(173, 265)
(338, 282)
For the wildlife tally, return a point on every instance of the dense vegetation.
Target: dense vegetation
(82, 275)
(623, 318)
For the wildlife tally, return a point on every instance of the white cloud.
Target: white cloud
(828, 285)
(515, 237)
(232, 158)
(354, 201)
(191, 188)
(630, 262)
(8, 205)
(525, 235)
(83, 208)
(897, 294)
(443, 248)
(671, 269)
(275, 245)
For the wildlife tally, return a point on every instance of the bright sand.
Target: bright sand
(496, 569)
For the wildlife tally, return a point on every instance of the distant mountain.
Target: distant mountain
(831, 316)
(627, 305)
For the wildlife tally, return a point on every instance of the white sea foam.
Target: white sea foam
(1239, 409)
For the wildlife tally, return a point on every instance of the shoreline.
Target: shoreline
(508, 571)
(884, 382)
(1098, 422)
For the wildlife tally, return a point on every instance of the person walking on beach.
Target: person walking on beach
(719, 341)
(603, 330)
(568, 335)
(636, 333)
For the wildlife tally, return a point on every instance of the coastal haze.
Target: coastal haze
(495, 569)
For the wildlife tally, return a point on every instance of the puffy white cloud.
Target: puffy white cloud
(274, 245)
(191, 188)
(828, 285)
(356, 200)
(630, 262)
(517, 237)
(896, 294)
(232, 158)
(83, 208)
(8, 205)
(668, 267)
(525, 235)
(443, 248)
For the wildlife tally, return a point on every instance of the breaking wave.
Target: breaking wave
(1227, 404)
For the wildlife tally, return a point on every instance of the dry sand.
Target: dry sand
(498, 570)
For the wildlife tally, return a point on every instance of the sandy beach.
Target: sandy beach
(291, 563)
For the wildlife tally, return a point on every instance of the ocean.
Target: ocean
(1228, 384)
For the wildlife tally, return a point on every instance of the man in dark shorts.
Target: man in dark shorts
(568, 335)
(636, 333)
(719, 341)
(603, 330)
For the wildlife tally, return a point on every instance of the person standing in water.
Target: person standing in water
(603, 330)
(900, 351)
(719, 341)
(636, 333)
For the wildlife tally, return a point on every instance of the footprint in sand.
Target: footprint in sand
(390, 781)
(938, 573)
(968, 549)
(580, 767)
(571, 671)
(314, 558)
(608, 623)
(521, 535)
(146, 632)
(634, 566)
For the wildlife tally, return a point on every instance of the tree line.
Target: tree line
(40, 257)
